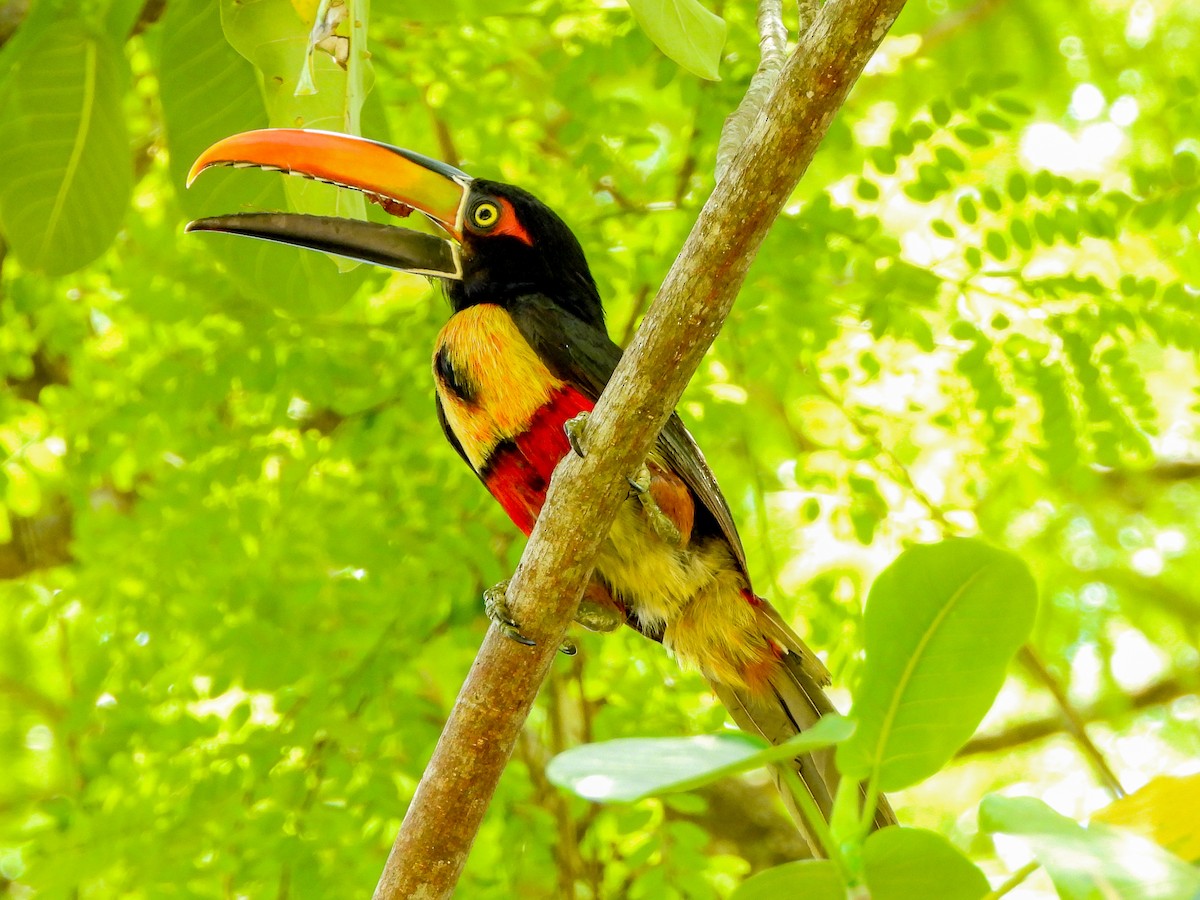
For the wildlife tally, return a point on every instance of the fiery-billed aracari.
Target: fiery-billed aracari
(524, 353)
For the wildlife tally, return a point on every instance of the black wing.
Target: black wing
(586, 357)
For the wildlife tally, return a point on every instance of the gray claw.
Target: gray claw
(640, 482)
(575, 430)
(495, 606)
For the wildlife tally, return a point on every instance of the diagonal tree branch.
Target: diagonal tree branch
(445, 814)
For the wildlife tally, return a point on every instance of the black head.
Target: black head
(503, 243)
(513, 245)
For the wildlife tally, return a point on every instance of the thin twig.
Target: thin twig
(584, 495)
(772, 44)
(1075, 725)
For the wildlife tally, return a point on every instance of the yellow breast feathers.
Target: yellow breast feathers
(489, 380)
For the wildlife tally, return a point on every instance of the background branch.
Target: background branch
(449, 804)
(772, 44)
(1184, 684)
(1075, 725)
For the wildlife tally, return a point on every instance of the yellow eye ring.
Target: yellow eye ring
(485, 214)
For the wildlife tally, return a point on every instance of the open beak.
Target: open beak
(398, 180)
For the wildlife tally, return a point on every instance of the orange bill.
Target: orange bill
(399, 179)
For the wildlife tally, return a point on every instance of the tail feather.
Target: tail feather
(792, 702)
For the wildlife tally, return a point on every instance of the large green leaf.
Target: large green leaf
(901, 863)
(305, 89)
(941, 624)
(812, 879)
(685, 31)
(1094, 863)
(209, 92)
(65, 170)
(633, 768)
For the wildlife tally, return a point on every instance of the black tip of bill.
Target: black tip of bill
(371, 242)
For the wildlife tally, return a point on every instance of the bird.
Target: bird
(516, 368)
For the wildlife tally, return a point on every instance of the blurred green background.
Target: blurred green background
(242, 569)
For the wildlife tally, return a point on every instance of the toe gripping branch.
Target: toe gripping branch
(576, 431)
(667, 531)
(495, 606)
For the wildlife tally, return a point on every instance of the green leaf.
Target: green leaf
(867, 190)
(209, 92)
(1044, 226)
(65, 171)
(1012, 105)
(633, 768)
(1018, 186)
(812, 879)
(1067, 223)
(271, 35)
(1021, 234)
(685, 31)
(948, 159)
(901, 863)
(941, 228)
(940, 626)
(921, 191)
(972, 137)
(993, 122)
(1093, 863)
(934, 177)
(883, 160)
(996, 245)
(900, 142)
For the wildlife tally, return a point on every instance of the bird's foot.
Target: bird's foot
(495, 606)
(666, 530)
(576, 431)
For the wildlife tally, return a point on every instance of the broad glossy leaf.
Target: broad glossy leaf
(65, 170)
(209, 92)
(1164, 811)
(273, 36)
(812, 879)
(1094, 863)
(633, 768)
(901, 863)
(941, 624)
(685, 31)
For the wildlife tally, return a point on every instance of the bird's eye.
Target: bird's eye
(485, 214)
